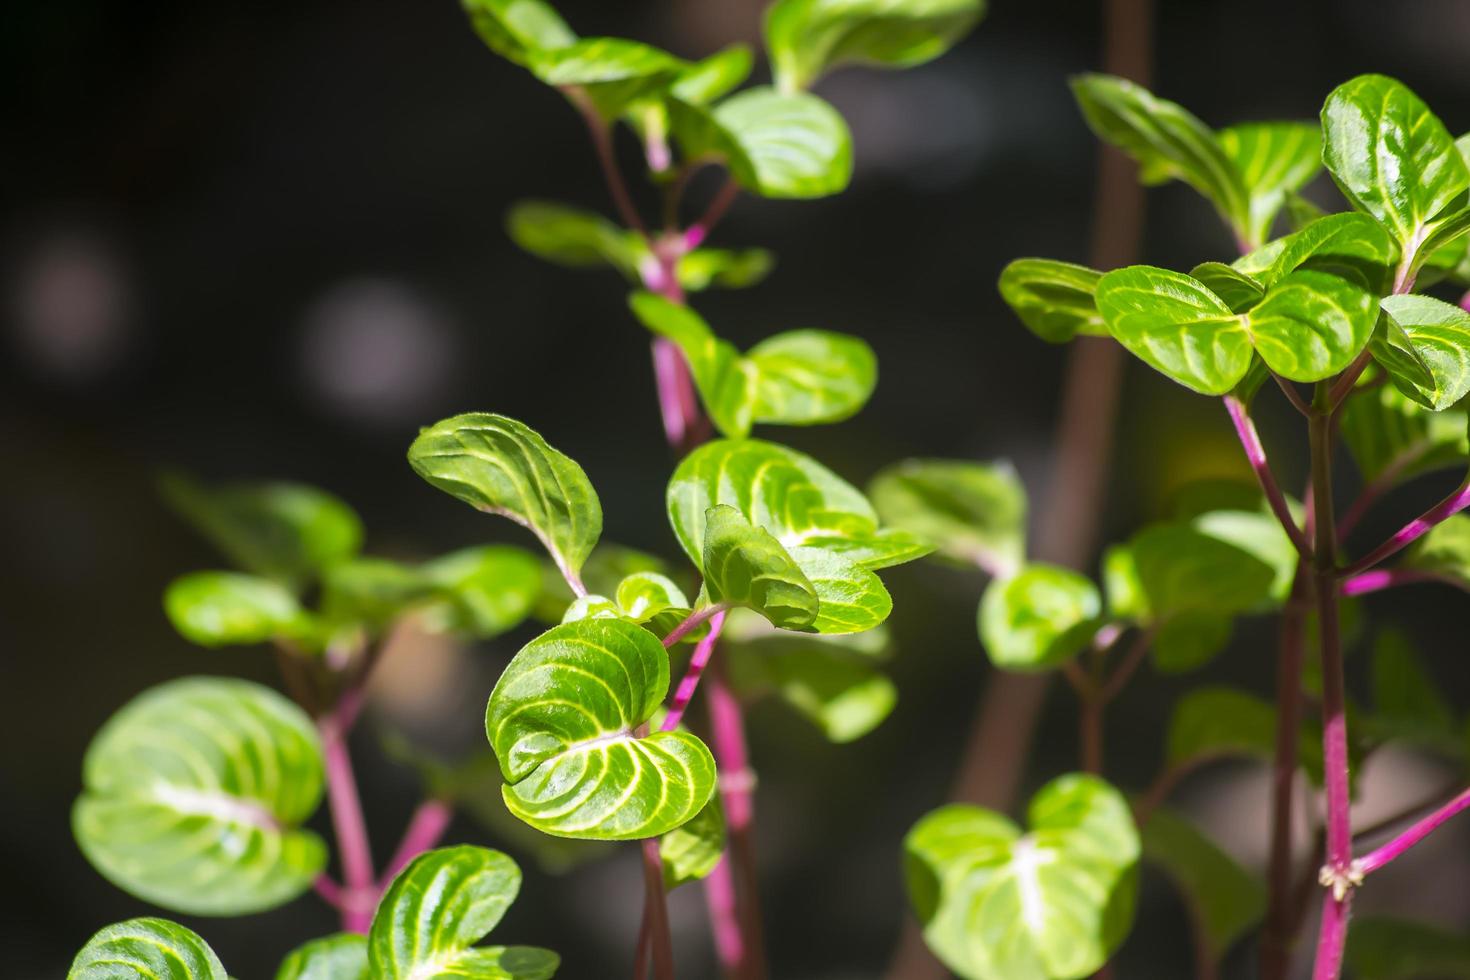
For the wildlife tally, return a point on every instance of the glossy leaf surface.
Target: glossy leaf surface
(1055, 300)
(516, 29)
(1273, 160)
(1439, 333)
(1038, 618)
(783, 145)
(746, 566)
(807, 377)
(343, 956)
(146, 949)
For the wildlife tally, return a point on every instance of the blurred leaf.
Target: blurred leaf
(609, 72)
(1407, 704)
(728, 269)
(146, 949)
(1392, 439)
(1273, 159)
(561, 721)
(1440, 335)
(1258, 533)
(975, 513)
(1038, 618)
(500, 466)
(204, 780)
(516, 29)
(372, 591)
(1054, 299)
(807, 38)
(746, 566)
(841, 693)
(1399, 949)
(691, 851)
(1444, 551)
(482, 591)
(999, 904)
(807, 377)
(1181, 568)
(719, 74)
(726, 381)
(1219, 722)
(343, 956)
(1190, 640)
(1394, 159)
(216, 609)
(438, 907)
(283, 531)
(570, 236)
(1227, 900)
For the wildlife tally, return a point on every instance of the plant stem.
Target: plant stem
(719, 895)
(1255, 454)
(737, 785)
(1414, 530)
(656, 911)
(1386, 578)
(1465, 302)
(698, 660)
(1337, 899)
(425, 828)
(1378, 857)
(699, 231)
(359, 893)
(602, 140)
(1279, 932)
(1091, 735)
(693, 621)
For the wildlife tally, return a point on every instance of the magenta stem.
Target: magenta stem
(671, 375)
(1386, 578)
(359, 892)
(699, 231)
(737, 793)
(697, 662)
(692, 621)
(719, 897)
(1332, 937)
(1255, 454)
(602, 141)
(1465, 302)
(1413, 531)
(425, 829)
(1383, 855)
(326, 886)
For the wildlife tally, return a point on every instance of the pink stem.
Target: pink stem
(719, 896)
(602, 141)
(669, 372)
(737, 786)
(690, 622)
(1255, 454)
(1332, 937)
(347, 820)
(425, 828)
(1385, 578)
(331, 892)
(1413, 531)
(1378, 858)
(697, 661)
(1465, 302)
(700, 230)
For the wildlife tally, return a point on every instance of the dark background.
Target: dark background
(266, 240)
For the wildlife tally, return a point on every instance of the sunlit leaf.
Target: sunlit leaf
(973, 512)
(1000, 903)
(194, 795)
(1038, 618)
(850, 599)
(1273, 160)
(500, 466)
(609, 72)
(438, 907)
(691, 851)
(515, 29)
(1440, 335)
(1182, 568)
(1351, 245)
(746, 566)
(719, 74)
(1311, 324)
(1054, 299)
(725, 268)
(228, 608)
(1239, 291)
(146, 949)
(562, 721)
(1177, 326)
(1227, 901)
(807, 38)
(806, 377)
(343, 956)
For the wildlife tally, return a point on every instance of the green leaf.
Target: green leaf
(572, 237)
(1444, 551)
(372, 592)
(643, 595)
(500, 466)
(807, 38)
(1177, 326)
(216, 609)
(850, 598)
(146, 949)
(746, 566)
(1407, 704)
(435, 911)
(482, 591)
(283, 531)
(1273, 159)
(1181, 568)
(775, 144)
(1054, 902)
(1396, 355)
(709, 78)
(726, 381)
(1311, 324)
(1381, 948)
(1239, 291)
(1227, 901)
(605, 569)
(1219, 722)
(1393, 159)
(807, 377)
(1054, 299)
(1258, 533)
(1439, 334)
(562, 722)
(343, 956)
(704, 268)
(691, 851)
(973, 512)
(609, 72)
(1189, 640)
(1393, 439)
(517, 29)
(194, 795)
(1038, 618)
(1168, 142)
(841, 693)
(1353, 246)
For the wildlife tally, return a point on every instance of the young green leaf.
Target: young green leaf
(1393, 439)
(482, 591)
(283, 531)
(998, 903)
(1226, 900)
(343, 956)
(974, 513)
(807, 377)
(1311, 324)
(775, 144)
(570, 236)
(216, 609)
(691, 851)
(435, 911)
(719, 74)
(807, 38)
(194, 796)
(726, 381)
(501, 466)
(1394, 159)
(1351, 245)
(146, 949)
(704, 268)
(1239, 291)
(562, 722)
(517, 29)
(746, 566)
(1177, 326)
(1055, 300)
(1401, 949)
(1444, 551)
(841, 693)
(1168, 142)
(1439, 334)
(610, 73)
(1259, 534)
(644, 595)
(1273, 159)
(1038, 618)
(850, 598)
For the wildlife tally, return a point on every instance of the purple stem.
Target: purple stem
(1378, 858)
(697, 661)
(1255, 454)
(719, 896)
(425, 828)
(326, 886)
(1413, 531)
(1385, 578)
(690, 622)
(1332, 937)
(359, 892)
(656, 912)
(700, 230)
(1465, 302)
(737, 786)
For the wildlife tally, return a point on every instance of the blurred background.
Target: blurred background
(265, 240)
